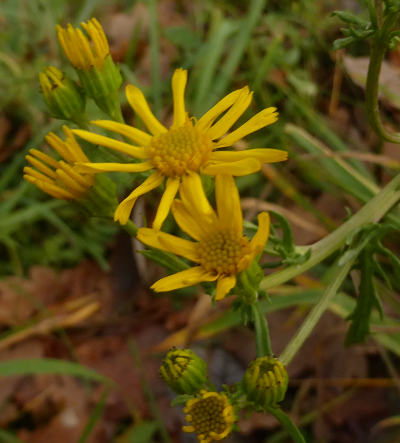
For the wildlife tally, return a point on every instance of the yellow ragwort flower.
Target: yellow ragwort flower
(188, 146)
(220, 250)
(59, 178)
(211, 416)
(78, 48)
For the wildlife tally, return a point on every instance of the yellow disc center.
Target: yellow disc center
(207, 415)
(221, 252)
(180, 150)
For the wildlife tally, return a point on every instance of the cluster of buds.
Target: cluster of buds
(100, 78)
(211, 415)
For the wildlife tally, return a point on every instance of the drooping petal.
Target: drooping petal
(187, 222)
(125, 207)
(113, 167)
(179, 80)
(224, 285)
(195, 200)
(183, 279)
(44, 157)
(164, 207)
(36, 175)
(263, 155)
(50, 188)
(139, 104)
(223, 125)
(241, 167)
(134, 134)
(209, 117)
(259, 239)
(97, 139)
(168, 242)
(40, 166)
(263, 118)
(228, 203)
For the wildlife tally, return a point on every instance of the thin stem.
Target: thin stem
(287, 423)
(315, 314)
(372, 212)
(131, 228)
(379, 46)
(263, 341)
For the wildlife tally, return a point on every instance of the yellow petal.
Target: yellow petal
(183, 279)
(96, 139)
(112, 167)
(50, 188)
(85, 181)
(44, 157)
(72, 185)
(224, 285)
(59, 146)
(73, 147)
(124, 209)
(228, 203)
(195, 200)
(259, 239)
(263, 118)
(263, 155)
(37, 175)
(139, 104)
(179, 80)
(171, 189)
(136, 135)
(241, 167)
(168, 242)
(209, 117)
(223, 125)
(187, 222)
(40, 166)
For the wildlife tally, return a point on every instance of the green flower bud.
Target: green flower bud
(183, 371)
(90, 56)
(62, 95)
(265, 381)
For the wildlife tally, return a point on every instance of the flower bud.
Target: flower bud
(265, 381)
(183, 371)
(62, 95)
(90, 56)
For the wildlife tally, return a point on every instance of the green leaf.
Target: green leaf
(49, 366)
(350, 18)
(367, 300)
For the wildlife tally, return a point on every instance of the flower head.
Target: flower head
(82, 52)
(188, 147)
(265, 381)
(211, 416)
(220, 249)
(59, 178)
(184, 371)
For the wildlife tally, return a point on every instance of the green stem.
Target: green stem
(315, 314)
(378, 50)
(131, 228)
(287, 423)
(372, 212)
(263, 341)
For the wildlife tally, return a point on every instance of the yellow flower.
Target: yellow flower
(77, 47)
(188, 146)
(59, 178)
(211, 416)
(220, 250)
